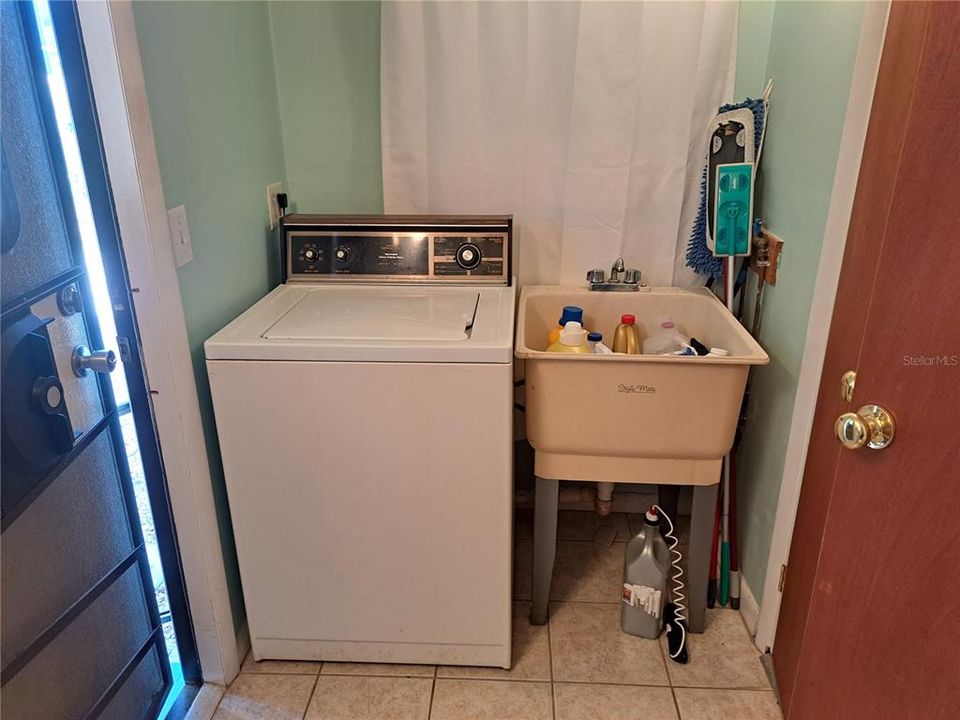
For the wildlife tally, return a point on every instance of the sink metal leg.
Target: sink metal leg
(544, 546)
(668, 498)
(698, 555)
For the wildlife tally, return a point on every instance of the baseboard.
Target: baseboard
(749, 608)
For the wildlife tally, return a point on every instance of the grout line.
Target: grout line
(313, 691)
(549, 644)
(275, 674)
(526, 681)
(722, 689)
(397, 674)
(673, 694)
(553, 691)
(222, 696)
(483, 678)
(433, 689)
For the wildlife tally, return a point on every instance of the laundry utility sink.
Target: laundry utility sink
(633, 418)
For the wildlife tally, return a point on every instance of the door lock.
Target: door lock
(871, 425)
(99, 361)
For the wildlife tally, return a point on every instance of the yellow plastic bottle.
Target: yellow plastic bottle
(573, 339)
(570, 312)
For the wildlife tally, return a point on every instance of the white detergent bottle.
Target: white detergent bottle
(645, 567)
(666, 339)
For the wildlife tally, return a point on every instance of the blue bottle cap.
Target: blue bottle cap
(571, 312)
(594, 337)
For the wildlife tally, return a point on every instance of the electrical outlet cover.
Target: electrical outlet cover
(180, 235)
(273, 210)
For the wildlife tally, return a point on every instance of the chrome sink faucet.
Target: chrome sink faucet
(621, 279)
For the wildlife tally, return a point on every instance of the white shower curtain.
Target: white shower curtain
(587, 121)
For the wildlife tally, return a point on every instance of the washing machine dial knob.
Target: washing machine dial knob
(468, 256)
(343, 254)
(311, 255)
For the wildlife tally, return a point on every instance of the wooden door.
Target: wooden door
(870, 619)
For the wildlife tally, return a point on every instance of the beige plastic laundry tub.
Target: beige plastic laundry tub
(633, 418)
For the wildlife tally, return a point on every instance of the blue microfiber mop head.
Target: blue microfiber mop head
(699, 257)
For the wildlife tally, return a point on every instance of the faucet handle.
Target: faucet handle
(631, 276)
(596, 276)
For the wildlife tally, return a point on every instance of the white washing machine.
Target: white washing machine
(364, 411)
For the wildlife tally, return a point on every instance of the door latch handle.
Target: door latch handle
(871, 425)
(99, 361)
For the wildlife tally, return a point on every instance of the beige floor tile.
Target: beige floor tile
(370, 698)
(377, 669)
(491, 700)
(279, 667)
(586, 525)
(522, 569)
(266, 697)
(587, 572)
(698, 704)
(613, 702)
(587, 646)
(722, 657)
(583, 525)
(531, 653)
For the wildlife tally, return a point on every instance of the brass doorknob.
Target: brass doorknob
(871, 425)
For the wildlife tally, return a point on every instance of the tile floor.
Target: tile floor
(578, 667)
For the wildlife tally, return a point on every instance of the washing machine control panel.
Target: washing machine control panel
(397, 249)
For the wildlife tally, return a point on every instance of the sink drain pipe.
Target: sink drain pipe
(603, 502)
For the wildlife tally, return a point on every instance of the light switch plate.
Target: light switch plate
(180, 235)
(273, 210)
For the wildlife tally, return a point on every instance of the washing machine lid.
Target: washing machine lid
(401, 314)
(373, 323)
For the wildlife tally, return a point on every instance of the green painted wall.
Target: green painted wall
(810, 53)
(327, 57)
(213, 103)
(753, 47)
(247, 93)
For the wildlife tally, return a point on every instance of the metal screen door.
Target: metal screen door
(81, 633)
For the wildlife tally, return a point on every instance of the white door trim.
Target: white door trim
(852, 140)
(113, 56)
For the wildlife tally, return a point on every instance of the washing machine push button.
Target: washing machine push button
(468, 256)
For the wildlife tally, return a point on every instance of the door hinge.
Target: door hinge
(783, 578)
(123, 344)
